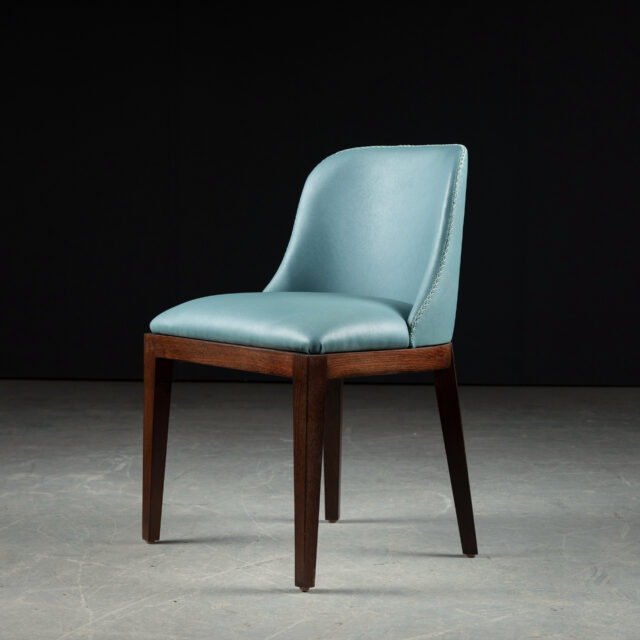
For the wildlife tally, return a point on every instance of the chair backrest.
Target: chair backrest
(383, 222)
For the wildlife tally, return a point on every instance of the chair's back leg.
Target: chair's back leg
(309, 398)
(449, 405)
(157, 396)
(332, 449)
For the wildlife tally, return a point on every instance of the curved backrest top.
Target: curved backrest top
(383, 222)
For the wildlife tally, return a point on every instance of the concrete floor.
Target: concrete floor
(555, 476)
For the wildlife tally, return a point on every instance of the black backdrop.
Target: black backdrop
(157, 154)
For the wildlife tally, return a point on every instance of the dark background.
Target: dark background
(157, 154)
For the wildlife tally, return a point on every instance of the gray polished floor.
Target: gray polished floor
(555, 477)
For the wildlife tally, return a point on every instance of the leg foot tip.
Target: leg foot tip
(332, 521)
(471, 555)
(304, 589)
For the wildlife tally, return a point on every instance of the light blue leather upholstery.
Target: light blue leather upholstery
(382, 226)
(293, 321)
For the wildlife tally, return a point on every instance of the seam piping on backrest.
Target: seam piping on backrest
(443, 259)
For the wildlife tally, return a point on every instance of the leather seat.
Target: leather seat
(374, 225)
(291, 321)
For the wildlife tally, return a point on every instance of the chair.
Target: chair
(368, 285)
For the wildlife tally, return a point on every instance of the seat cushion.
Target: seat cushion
(292, 321)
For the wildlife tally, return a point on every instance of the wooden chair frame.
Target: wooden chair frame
(317, 425)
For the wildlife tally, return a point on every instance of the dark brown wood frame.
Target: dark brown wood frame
(317, 425)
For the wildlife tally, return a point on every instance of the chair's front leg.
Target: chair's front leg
(157, 396)
(309, 398)
(449, 405)
(332, 449)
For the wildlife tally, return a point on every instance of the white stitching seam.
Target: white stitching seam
(447, 242)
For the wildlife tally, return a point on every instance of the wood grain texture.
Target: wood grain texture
(317, 425)
(332, 449)
(157, 398)
(229, 356)
(449, 406)
(388, 361)
(280, 363)
(309, 398)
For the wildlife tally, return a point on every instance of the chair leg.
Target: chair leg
(449, 405)
(309, 398)
(332, 450)
(157, 396)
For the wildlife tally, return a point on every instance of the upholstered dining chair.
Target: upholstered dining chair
(368, 285)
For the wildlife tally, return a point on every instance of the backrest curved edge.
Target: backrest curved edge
(432, 317)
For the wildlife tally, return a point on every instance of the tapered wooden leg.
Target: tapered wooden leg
(332, 449)
(309, 397)
(157, 396)
(449, 405)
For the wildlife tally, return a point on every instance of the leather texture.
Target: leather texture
(384, 222)
(292, 321)
(373, 261)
